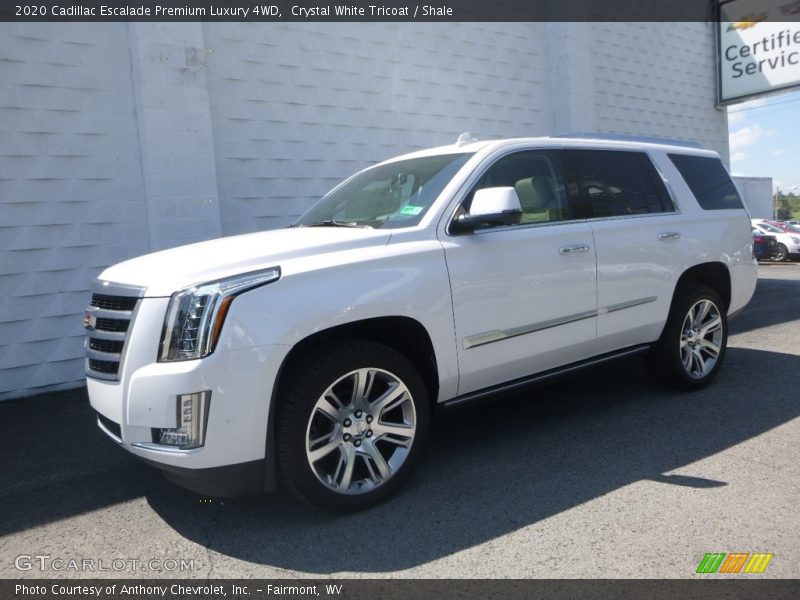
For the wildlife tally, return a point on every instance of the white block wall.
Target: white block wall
(658, 79)
(297, 107)
(119, 139)
(757, 195)
(71, 190)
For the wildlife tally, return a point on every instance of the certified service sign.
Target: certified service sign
(758, 47)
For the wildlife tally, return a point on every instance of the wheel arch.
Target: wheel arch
(404, 334)
(713, 274)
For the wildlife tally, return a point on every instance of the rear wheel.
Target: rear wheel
(692, 347)
(351, 425)
(783, 253)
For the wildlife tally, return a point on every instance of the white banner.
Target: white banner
(759, 47)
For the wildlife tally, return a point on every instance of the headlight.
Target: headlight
(195, 315)
(795, 240)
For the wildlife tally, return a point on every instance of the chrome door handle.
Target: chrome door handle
(669, 235)
(573, 249)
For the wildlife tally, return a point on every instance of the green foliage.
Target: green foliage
(787, 206)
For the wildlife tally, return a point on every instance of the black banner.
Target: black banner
(358, 10)
(703, 587)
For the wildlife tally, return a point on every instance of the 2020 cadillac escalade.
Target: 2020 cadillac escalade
(315, 354)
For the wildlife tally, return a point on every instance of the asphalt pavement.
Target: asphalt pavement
(603, 475)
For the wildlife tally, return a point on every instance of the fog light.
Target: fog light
(192, 420)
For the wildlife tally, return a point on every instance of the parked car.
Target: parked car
(788, 244)
(315, 355)
(765, 247)
(785, 227)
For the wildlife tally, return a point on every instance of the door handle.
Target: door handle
(668, 236)
(573, 249)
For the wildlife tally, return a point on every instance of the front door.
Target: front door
(524, 296)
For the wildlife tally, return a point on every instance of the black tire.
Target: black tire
(665, 361)
(782, 255)
(297, 415)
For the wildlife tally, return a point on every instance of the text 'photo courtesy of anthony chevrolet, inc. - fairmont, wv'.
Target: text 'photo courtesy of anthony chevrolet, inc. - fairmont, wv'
(401, 300)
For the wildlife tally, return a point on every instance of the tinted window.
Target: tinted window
(611, 183)
(535, 177)
(708, 180)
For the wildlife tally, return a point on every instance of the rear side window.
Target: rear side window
(614, 183)
(708, 180)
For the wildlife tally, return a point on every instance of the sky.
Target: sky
(765, 139)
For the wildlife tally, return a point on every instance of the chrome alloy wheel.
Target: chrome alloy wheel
(360, 431)
(701, 338)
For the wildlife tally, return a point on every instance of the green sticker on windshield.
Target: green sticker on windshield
(411, 210)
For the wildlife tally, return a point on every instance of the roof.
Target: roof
(566, 141)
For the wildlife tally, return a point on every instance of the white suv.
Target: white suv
(314, 355)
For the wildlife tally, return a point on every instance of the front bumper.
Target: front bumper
(241, 384)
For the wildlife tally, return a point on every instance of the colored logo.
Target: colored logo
(748, 22)
(735, 562)
(90, 318)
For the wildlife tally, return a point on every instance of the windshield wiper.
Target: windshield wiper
(335, 223)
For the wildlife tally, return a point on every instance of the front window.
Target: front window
(389, 196)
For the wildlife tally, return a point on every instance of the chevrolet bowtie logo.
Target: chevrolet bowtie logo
(748, 22)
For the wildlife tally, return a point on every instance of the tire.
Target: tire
(337, 448)
(686, 357)
(782, 255)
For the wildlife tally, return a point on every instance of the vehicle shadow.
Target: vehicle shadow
(769, 304)
(56, 463)
(496, 468)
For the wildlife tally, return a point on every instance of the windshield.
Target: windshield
(397, 194)
(770, 228)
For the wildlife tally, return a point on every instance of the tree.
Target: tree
(784, 210)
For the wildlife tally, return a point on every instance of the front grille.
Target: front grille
(111, 346)
(107, 321)
(104, 366)
(115, 325)
(113, 302)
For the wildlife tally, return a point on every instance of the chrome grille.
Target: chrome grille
(107, 321)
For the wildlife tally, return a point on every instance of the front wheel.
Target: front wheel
(692, 346)
(351, 425)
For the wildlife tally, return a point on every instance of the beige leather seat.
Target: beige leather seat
(538, 200)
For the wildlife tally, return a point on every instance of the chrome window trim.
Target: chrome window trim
(489, 161)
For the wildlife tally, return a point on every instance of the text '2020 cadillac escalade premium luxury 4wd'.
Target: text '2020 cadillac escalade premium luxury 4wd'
(314, 355)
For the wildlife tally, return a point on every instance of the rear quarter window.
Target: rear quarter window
(708, 180)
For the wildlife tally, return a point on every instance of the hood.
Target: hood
(165, 272)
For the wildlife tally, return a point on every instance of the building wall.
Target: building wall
(757, 195)
(119, 139)
(658, 79)
(297, 109)
(71, 190)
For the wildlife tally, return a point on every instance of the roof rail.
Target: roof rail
(621, 137)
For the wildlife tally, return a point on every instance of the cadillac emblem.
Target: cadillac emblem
(90, 317)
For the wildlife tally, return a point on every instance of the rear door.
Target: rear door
(637, 233)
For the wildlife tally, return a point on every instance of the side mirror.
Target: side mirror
(491, 206)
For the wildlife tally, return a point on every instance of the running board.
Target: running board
(543, 376)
